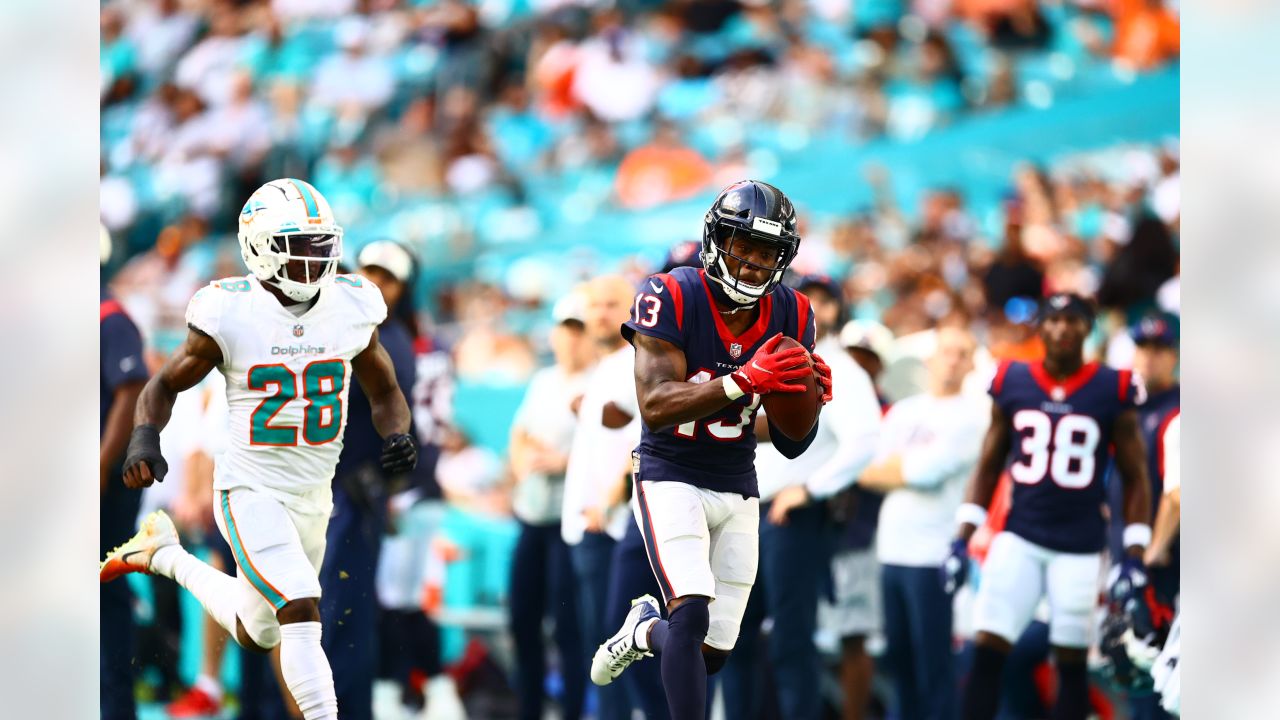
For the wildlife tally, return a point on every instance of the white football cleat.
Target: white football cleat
(135, 555)
(615, 654)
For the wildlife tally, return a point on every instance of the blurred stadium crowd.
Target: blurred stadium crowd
(476, 133)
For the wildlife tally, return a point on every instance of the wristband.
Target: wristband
(1136, 534)
(971, 513)
(731, 388)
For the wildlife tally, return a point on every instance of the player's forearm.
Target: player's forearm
(155, 403)
(1168, 518)
(673, 402)
(390, 413)
(115, 436)
(980, 492)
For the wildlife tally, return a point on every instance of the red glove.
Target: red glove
(822, 373)
(769, 371)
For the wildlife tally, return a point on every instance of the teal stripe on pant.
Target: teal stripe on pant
(242, 558)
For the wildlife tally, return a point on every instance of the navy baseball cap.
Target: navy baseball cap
(831, 287)
(1155, 329)
(683, 254)
(1065, 302)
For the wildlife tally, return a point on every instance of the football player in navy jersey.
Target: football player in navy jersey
(706, 345)
(1053, 424)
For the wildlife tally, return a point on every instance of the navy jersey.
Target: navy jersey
(1060, 450)
(120, 357)
(718, 451)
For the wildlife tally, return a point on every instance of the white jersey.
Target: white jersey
(287, 377)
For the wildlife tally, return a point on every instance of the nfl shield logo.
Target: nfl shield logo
(735, 350)
(1058, 394)
(297, 331)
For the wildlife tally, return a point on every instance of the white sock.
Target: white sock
(306, 671)
(209, 686)
(217, 591)
(642, 633)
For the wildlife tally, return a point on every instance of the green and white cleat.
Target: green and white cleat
(618, 652)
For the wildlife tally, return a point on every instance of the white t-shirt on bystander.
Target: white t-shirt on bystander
(600, 456)
(939, 439)
(546, 415)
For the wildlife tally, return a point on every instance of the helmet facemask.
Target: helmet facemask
(725, 240)
(304, 262)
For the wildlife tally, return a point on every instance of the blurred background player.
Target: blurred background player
(122, 374)
(854, 616)
(694, 469)
(1065, 415)
(928, 447)
(542, 578)
(361, 489)
(794, 528)
(280, 451)
(594, 516)
(1155, 361)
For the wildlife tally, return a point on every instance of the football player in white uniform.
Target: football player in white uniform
(287, 338)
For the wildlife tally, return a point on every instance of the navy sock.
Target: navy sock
(982, 693)
(684, 676)
(1073, 692)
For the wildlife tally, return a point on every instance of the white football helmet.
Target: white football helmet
(289, 238)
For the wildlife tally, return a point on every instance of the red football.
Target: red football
(794, 413)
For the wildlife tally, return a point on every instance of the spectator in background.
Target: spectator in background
(542, 578)
(928, 446)
(349, 604)
(1141, 265)
(117, 59)
(594, 516)
(352, 83)
(1147, 33)
(855, 613)
(208, 68)
(161, 32)
(1012, 275)
(662, 171)
(793, 525)
(612, 78)
(122, 373)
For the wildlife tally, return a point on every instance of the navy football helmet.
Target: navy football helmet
(755, 210)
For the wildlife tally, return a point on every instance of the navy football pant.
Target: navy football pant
(793, 567)
(542, 583)
(349, 603)
(117, 514)
(917, 622)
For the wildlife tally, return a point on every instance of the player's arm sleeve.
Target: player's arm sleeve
(657, 311)
(370, 299)
(854, 418)
(949, 453)
(121, 355)
(204, 313)
(808, 325)
(1171, 456)
(788, 448)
